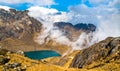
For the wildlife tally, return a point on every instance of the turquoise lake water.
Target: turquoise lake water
(37, 55)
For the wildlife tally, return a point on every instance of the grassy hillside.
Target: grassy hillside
(34, 65)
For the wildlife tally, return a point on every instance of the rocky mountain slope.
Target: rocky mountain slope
(99, 55)
(18, 31)
(17, 24)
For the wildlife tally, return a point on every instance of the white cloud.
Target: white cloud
(50, 16)
(42, 2)
(108, 27)
(115, 3)
(32, 2)
(12, 1)
(98, 1)
(38, 11)
(106, 17)
(5, 7)
(82, 42)
(47, 14)
(82, 13)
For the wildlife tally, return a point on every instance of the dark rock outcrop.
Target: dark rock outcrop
(3, 52)
(17, 24)
(80, 26)
(3, 60)
(104, 51)
(85, 27)
(7, 65)
(74, 31)
(63, 24)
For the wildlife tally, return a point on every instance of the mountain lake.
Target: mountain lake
(37, 55)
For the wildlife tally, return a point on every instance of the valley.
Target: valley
(21, 33)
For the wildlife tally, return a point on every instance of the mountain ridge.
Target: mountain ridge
(105, 51)
(17, 24)
(74, 31)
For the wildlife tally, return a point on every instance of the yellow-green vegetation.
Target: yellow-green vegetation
(70, 58)
(35, 65)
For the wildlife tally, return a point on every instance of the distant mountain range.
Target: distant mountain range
(19, 25)
(74, 31)
(80, 26)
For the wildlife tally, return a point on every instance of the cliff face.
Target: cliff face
(80, 26)
(17, 24)
(106, 51)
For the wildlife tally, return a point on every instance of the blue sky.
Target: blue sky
(61, 5)
(21, 6)
(64, 4)
(80, 10)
